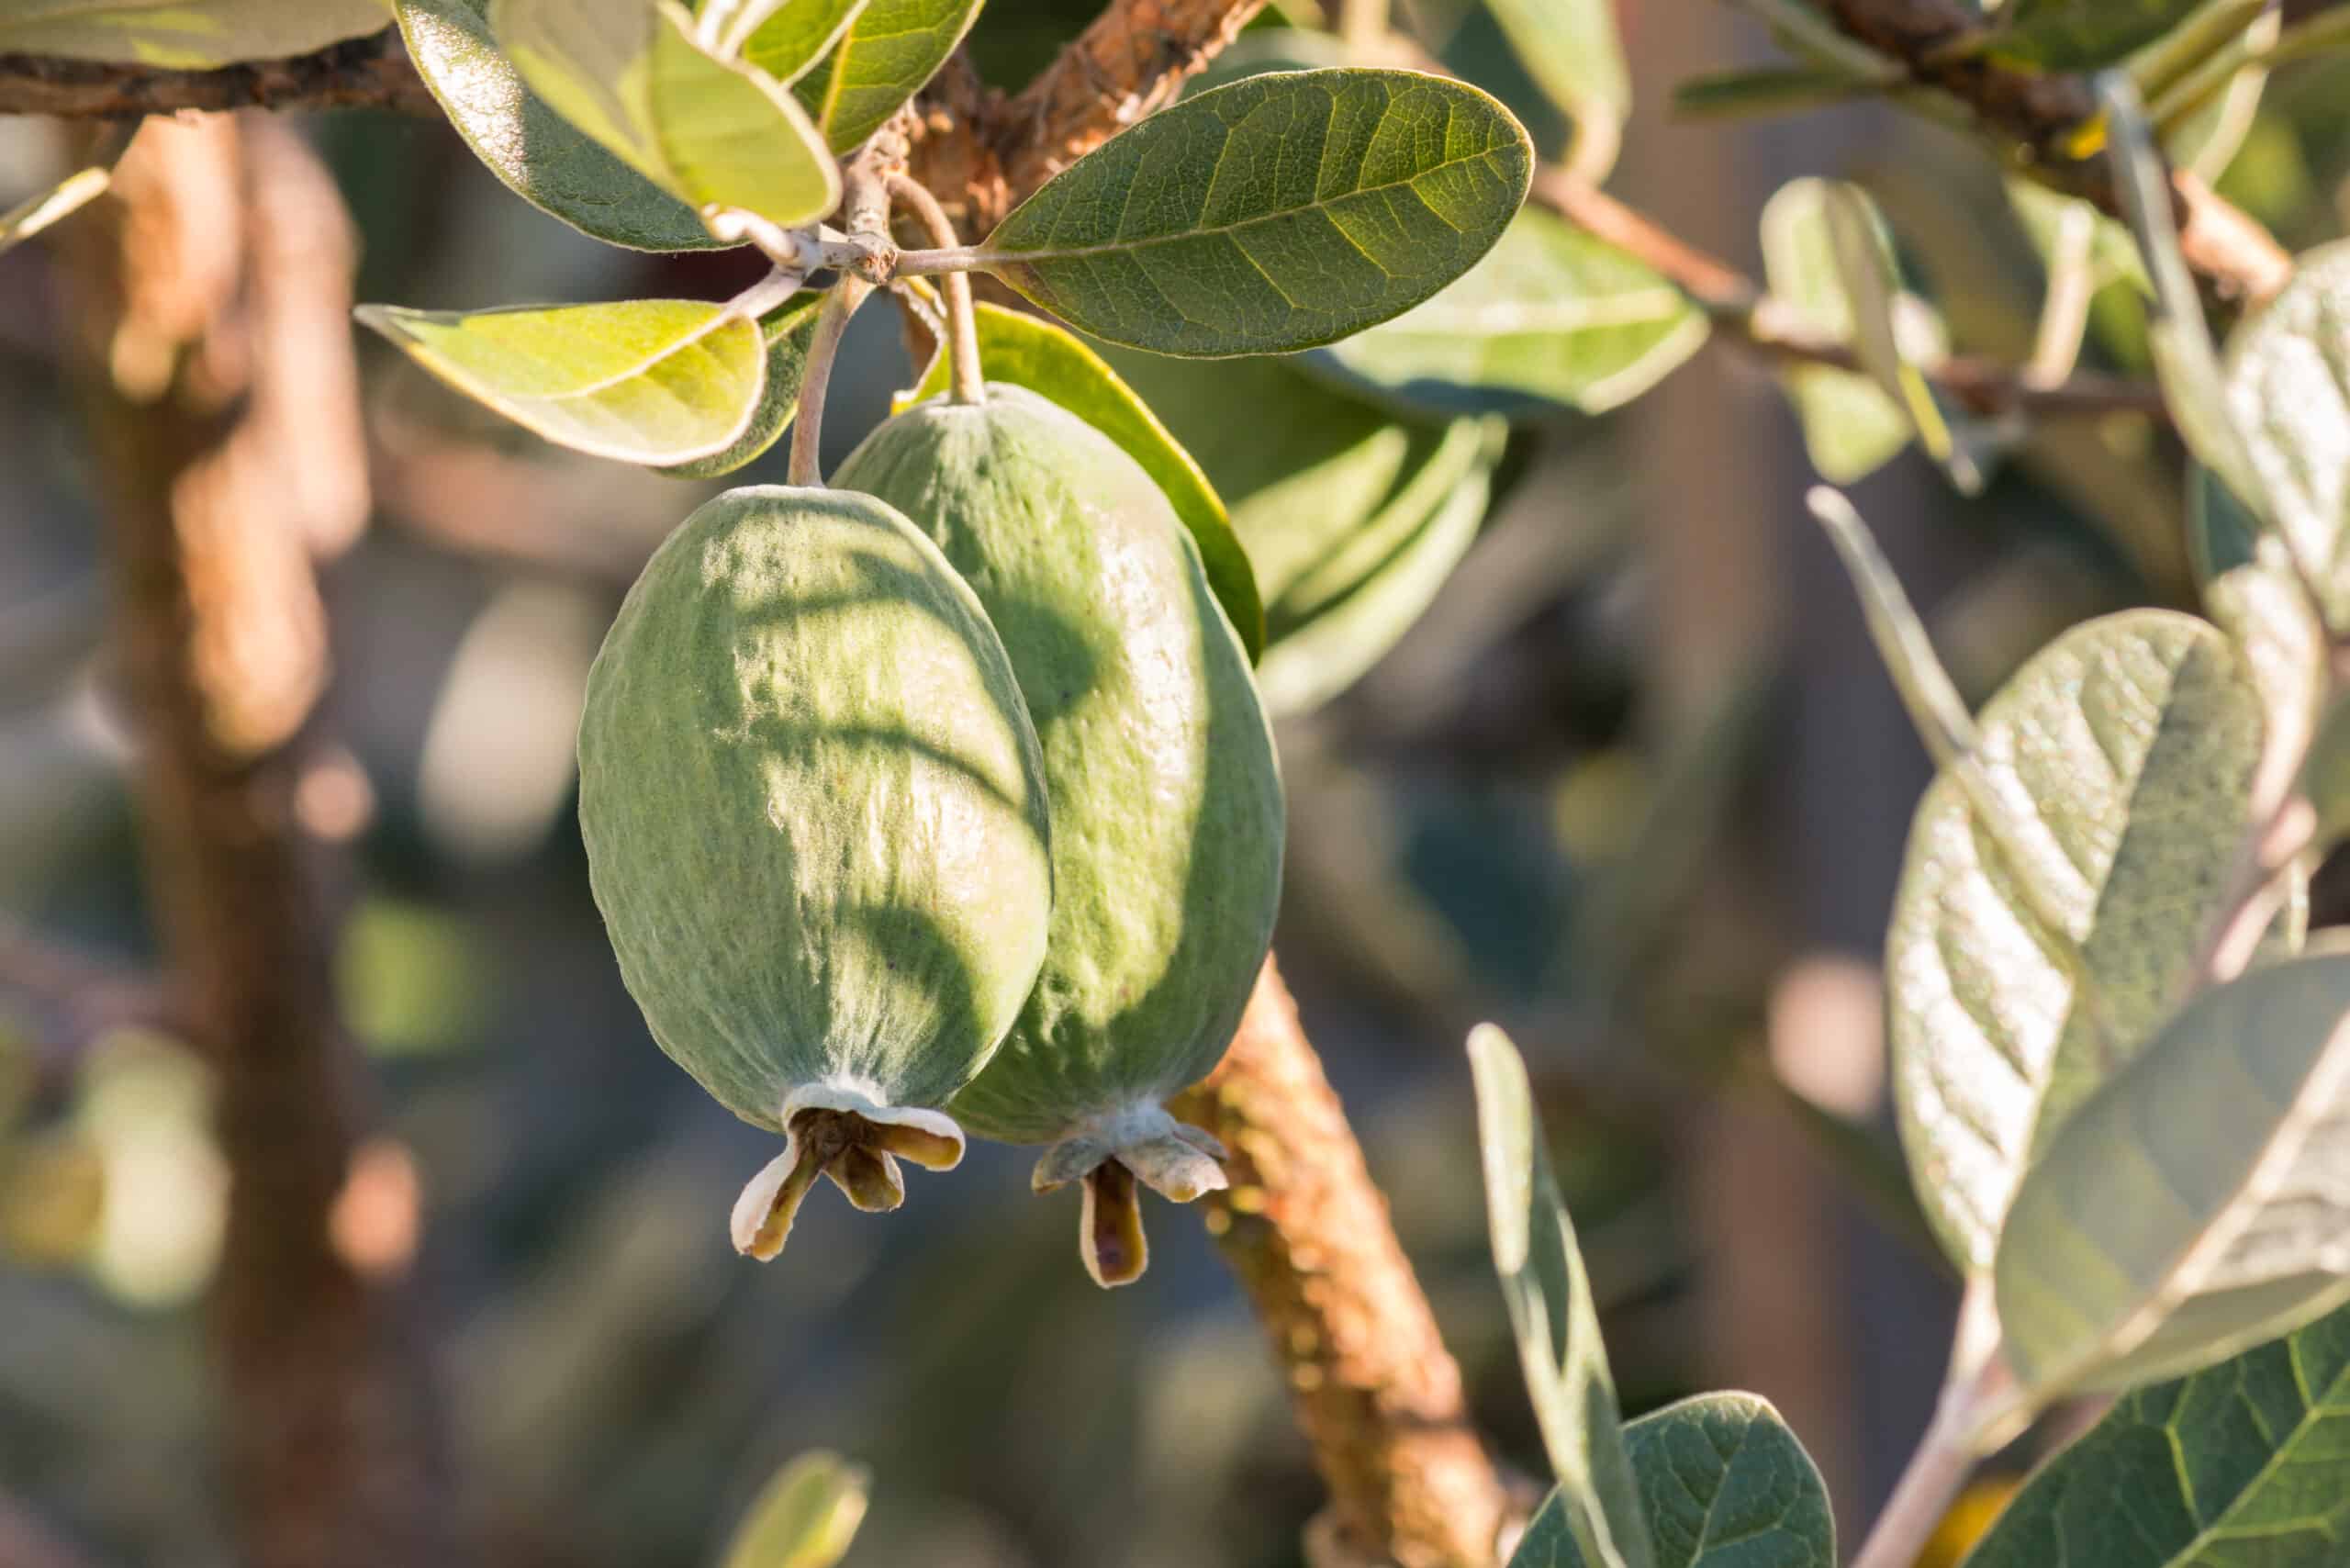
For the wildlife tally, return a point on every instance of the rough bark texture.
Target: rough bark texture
(1308, 1234)
(368, 73)
(206, 382)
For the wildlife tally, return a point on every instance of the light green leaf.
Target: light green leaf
(1570, 50)
(709, 133)
(537, 153)
(651, 381)
(2083, 34)
(1285, 211)
(2029, 955)
(1849, 426)
(1768, 90)
(1550, 1310)
(892, 49)
(2288, 388)
(1026, 352)
(182, 35)
(1725, 1484)
(788, 43)
(1552, 317)
(68, 197)
(805, 1517)
(2239, 1466)
(789, 330)
(2196, 1203)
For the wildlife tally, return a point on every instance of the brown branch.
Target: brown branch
(360, 74)
(189, 289)
(1763, 327)
(1308, 1234)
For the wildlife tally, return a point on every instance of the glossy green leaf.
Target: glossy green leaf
(1767, 90)
(2029, 953)
(789, 330)
(2199, 1203)
(651, 381)
(1551, 318)
(1550, 1310)
(1283, 211)
(62, 200)
(1849, 426)
(182, 35)
(2239, 1466)
(1570, 50)
(2083, 34)
(636, 79)
(2288, 380)
(1027, 352)
(1725, 1484)
(806, 1517)
(788, 42)
(889, 51)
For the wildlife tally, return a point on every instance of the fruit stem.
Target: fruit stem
(965, 381)
(808, 424)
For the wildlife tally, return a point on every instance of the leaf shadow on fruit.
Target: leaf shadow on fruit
(1058, 662)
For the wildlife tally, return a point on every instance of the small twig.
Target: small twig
(1979, 1407)
(962, 327)
(808, 424)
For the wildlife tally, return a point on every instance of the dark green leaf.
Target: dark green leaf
(651, 381)
(1026, 352)
(2287, 374)
(788, 330)
(2083, 35)
(889, 51)
(181, 34)
(1552, 317)
(2222, 531)
(805, 1517)
(1550, 1310)
(1282, 212)
(535, 150)
(1725, 1484)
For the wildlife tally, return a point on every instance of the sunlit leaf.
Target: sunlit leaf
(182, 34)
(788, 36)
(889, 52)
(1849, 426)
(63, 200)
(1725, 1484)
(805, 1517)
(1285, 211)
(1046, 359)
(1550, 1310)
(634, 78)
(2196, 1203)
(2027, 957)
(651, 381)
(790, 330)
(2083, 34)
(1572, 51)
(537, 153)
(2239, 1466)
(2287, 385)
(1552, 317)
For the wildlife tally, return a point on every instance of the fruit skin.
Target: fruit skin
(1167, 817)
(816, 819)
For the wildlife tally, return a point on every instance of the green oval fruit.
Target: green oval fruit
(816, 825)
(1166, 794)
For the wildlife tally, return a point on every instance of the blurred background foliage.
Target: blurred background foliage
(1632, 783)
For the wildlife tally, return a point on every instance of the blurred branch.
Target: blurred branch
(358, 73)
(1308, 1234)
(1766, 327)
(197, 294)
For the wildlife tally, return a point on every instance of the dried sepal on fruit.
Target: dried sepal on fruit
(817, 827)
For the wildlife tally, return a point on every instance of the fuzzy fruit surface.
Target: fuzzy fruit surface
(1165, 795)
(814, 806)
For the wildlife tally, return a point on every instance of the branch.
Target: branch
(1308, 1234)
(357, 73)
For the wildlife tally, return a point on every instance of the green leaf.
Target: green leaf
(892, 49)
(1283, 211)
(789, 330)
(788, 42)
(805, 1517)
(68, 197)
(182, 35)
(1849, 426)
(1570, 50)
(1725, 1484)
(651, 381)
(2288, 385)
(2195, 1205)
(1551, 318)
(1768, 90)
(2083, 34)
(1026, 352)
(537, 153)
(2239, 1466)
(2027, 956)
(633, 77)
(1550, 1310)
